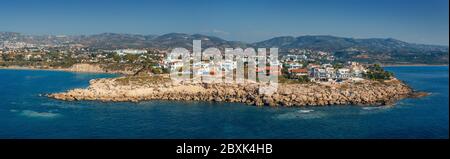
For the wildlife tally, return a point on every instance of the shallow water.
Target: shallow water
(26, 114)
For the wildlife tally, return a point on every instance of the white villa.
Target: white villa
(228, 65)
(353, 71)
(130, 51)
(343, 73)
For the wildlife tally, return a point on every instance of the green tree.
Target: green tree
(338, 66)
(303, 79)
(376, 72)
(157, 71)
(116, 57)
(131, 57)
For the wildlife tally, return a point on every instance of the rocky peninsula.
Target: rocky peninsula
(134, 89)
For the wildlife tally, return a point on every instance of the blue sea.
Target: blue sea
(24, 113)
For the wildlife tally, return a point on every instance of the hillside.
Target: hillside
(390, 51)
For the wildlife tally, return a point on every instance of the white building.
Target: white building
(174, 65)
(357, 70)
(130, 51)
(295, 65)
(228, 65)
(343, 73)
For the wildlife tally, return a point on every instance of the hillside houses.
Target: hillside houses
(292, 65)
(228, 65)
(327, 72)
(206, 67)
(357, 69)
(294, 58)
(273, 70)
(130, 51)
(294, 69)
(298, 72)
(324, 72)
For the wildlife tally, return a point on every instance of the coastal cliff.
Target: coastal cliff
(95, 68)
(85, 68)
(135, 89)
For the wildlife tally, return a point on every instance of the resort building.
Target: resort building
(297, 72)
(293, 65)
(228, 65)
(326, 72)
(343, 73)
(130, 51)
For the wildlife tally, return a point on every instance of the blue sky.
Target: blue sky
(418, 21)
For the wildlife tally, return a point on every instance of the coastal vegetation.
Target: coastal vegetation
(376, 72)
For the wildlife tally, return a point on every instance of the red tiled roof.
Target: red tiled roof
(299, 70)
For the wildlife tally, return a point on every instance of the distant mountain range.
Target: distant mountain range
(332, 43)
(171, 40)
(384, 49)
(116, 41)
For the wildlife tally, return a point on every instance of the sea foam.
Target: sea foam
(31, 113)
(301, 114)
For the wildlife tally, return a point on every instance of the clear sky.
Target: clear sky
(418, 21)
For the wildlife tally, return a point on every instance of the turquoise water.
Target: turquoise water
(25, 114)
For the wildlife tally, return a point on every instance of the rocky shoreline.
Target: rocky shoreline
(81, 68)
(136, 89)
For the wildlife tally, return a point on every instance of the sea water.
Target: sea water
(26, 113)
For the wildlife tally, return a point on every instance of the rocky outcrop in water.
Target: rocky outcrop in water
(138, 89)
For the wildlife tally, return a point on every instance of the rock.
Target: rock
(369, 92)
(418, 94)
